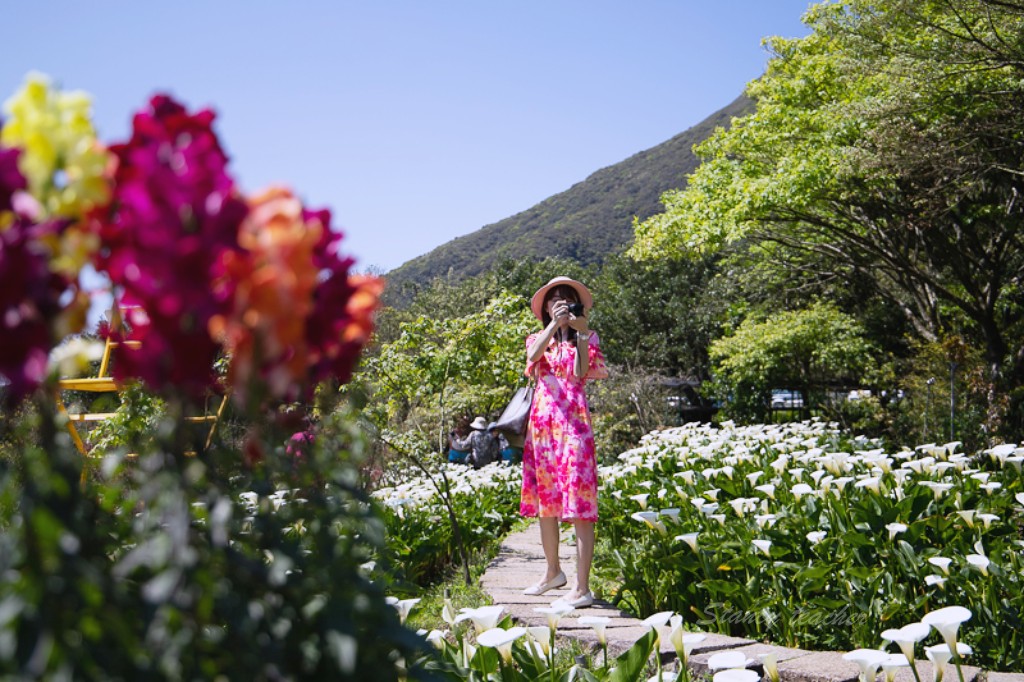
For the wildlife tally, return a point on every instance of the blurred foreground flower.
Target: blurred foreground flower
(174, 217)
(38, 307)
(63, 162)
(298, 317)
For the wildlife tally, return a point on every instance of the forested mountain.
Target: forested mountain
(585, 223)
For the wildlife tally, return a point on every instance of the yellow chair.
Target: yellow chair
(104, 383)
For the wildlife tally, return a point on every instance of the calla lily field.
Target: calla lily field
(774, 532)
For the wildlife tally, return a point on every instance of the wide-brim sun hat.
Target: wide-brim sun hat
(537, 302)
(480, 424)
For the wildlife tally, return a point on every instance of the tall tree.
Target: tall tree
(661, 315)
(885, 144)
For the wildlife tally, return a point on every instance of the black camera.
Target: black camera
(576, 309)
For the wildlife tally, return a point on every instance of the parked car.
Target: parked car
(783, 399)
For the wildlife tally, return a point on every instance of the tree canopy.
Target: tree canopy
(803, 349)
(886, 146)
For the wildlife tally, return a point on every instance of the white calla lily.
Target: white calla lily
(940, 654)
(501, 639)
(540, 634)
(690, 539)
(770, 661)
(907, 637)
(736, 675)
(868, 660)
(484, 618)
(651, 519)
(988, 519)
(947, 622)
(600, 626)
(801, 489)
(403, 606)
(641, 499)
(437, 638)
(726, 660)
(555, 613)
(683, 642)
(980, 562)
(873, 484)
(892, 664)
(895, 528)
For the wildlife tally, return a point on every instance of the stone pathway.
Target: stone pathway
(521, 563)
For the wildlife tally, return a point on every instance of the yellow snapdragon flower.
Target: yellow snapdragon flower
(61, 158)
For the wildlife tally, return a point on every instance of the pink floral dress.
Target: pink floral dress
(559, 463)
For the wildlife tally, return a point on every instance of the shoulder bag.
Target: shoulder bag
(517, 413)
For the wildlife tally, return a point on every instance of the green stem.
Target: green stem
(913, 669)
(551, 654)
(956, 660)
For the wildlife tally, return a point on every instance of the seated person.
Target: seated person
(511, 445)
(482, 444)
(456, 454)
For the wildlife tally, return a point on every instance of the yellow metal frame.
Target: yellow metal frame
(104, 383)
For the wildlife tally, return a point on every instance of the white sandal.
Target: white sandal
(581, 602)
(540, 588)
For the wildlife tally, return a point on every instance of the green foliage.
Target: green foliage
(660, 315)
(169, 569)
(625, 406)
(804, 349)
(134, 423)
(439, 369)
(421, 544)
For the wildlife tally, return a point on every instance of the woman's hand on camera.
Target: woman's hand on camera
(560, 313)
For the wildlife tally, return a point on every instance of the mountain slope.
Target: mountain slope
(586, 223)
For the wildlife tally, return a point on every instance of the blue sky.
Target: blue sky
(414, 121)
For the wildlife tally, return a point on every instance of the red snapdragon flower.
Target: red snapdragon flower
(174, 218)
(35, 312)
(38, 306)
(11, 179)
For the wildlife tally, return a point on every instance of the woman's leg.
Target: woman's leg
(549, 535)
(584, 556)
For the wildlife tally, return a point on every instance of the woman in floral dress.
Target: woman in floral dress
(559, 463)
